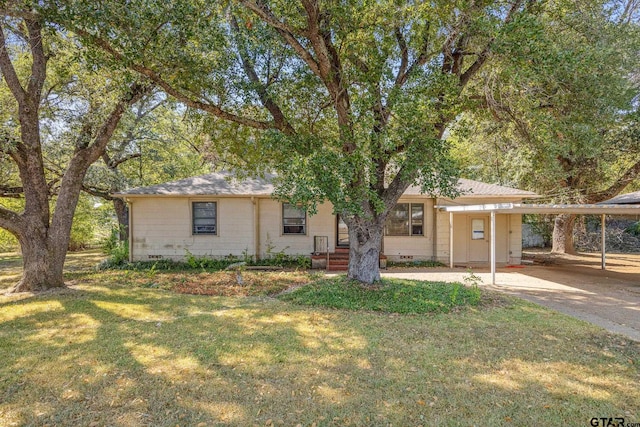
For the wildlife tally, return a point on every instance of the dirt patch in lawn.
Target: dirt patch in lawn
(225, 283)
(616, 263)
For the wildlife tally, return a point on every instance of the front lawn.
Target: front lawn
(115, 349)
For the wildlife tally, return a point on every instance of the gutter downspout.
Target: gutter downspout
(450, 239)
(493, 247)
(256, 226)
(130, 238)
(434, 231)
(603, 240)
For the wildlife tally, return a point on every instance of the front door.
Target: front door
(342, 233)
(479, 239)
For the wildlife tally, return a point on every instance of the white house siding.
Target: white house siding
(161, 228)
(508, 236)
(508, 233)
(515, 236)
(413, 248)
(272, 239)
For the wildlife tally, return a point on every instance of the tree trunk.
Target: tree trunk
(365, 239)
(43, 262)
(120, 206)
(563, 234)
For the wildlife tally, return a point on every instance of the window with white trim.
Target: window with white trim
(204, 217)
(294, 219)
(405, 219)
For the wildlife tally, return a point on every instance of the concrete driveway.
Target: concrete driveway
(571, 285)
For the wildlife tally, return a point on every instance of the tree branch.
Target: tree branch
(39, 60)
(484, 54)
(13, 192)
(422, 59)
(330, 71)
(114, 163)
(102, 193)
(267, 101)
(286, 32)
(404, 57)
(136, 91)
(168, 88)
(621, 183)
(11, 221)
(9, 73)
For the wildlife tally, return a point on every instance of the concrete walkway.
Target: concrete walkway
(608, 299)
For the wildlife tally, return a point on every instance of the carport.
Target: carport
(521, 208)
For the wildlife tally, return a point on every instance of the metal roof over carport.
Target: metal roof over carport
(523, 208)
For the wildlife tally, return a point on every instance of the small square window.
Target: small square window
(294, 219)
(205, 218)
(477, 229)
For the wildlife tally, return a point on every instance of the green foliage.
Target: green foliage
(425, 264)
(391, 295)
(119, 254)
(559, 104)
(84, 225)
(540, 224)
(209, 263)
(353, 97)
(634, 229)
(281, 259)
(8, 242)
(117, 251)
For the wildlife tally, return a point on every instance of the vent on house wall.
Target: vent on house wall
(154, 256)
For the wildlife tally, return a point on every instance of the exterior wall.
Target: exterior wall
(468, 252)
(323, 223)
(515, 243)
(413, 248)
(161, 228)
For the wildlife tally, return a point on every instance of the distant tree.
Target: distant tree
(157, 140)
(47, 105)
(558, 118)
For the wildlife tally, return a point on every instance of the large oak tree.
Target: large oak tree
(33, 67)
(347, 101)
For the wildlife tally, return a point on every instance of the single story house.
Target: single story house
(215, 216)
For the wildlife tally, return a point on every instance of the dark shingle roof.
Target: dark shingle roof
(624, 199)
(223, 183)
(219, 183)
(471, 188)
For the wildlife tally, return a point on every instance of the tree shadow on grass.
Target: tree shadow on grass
(148, 357)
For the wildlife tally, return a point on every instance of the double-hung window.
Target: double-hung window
(294, 219)
(405, 219)
(205, 217)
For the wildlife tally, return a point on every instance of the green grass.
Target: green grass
(104, 352)
(425, 264)
(391, 295)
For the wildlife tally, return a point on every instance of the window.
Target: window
(405, 219)
(417, 219)
(294, 219)
(205, 218)
(477, 229)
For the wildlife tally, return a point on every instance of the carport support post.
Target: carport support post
(450, 239)
(603, 242)
(493, 247)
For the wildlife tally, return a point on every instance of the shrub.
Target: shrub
(117, 251)
(390, 295)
